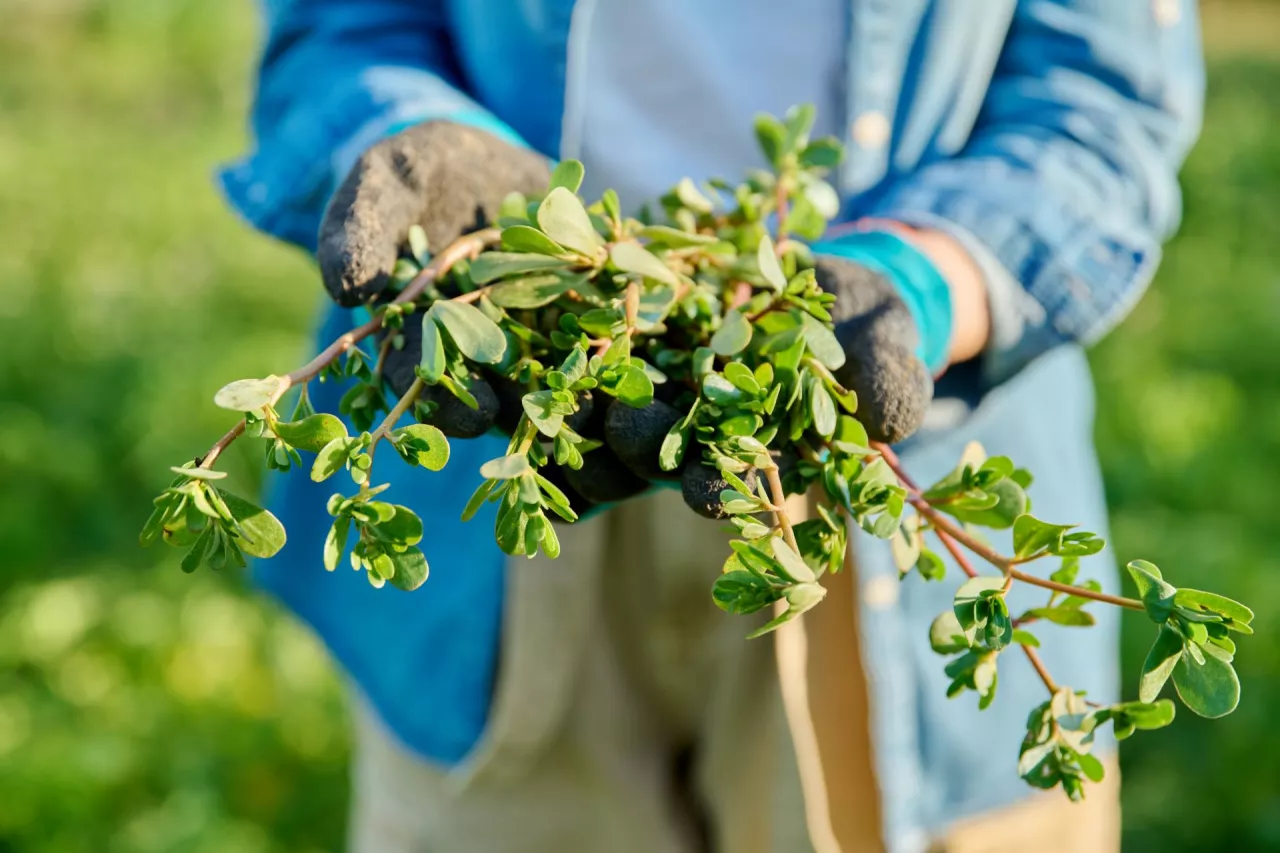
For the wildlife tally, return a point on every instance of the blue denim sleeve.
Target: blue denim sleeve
(336, 76)
(1069, 180)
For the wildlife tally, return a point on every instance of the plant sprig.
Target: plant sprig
(709, 317)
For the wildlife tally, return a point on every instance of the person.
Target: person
(1011, 171)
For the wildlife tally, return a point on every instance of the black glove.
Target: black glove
(448, 178)
(880, 338)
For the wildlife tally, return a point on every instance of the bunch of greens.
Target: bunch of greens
(700, 315)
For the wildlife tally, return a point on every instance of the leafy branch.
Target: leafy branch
(694, 345)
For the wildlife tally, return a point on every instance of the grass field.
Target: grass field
(144, 710)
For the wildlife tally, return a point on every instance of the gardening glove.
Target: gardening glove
(449, 179)
(892, 315)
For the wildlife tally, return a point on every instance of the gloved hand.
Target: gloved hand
(449, 179)
(893, 317)
(880, 340)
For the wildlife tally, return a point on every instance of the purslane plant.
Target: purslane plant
(726, 323)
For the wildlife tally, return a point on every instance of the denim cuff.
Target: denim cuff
(918, 282)
(1076, 277)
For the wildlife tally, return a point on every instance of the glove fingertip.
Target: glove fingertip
(894, 390)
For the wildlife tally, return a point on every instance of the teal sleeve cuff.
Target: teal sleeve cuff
(916, 279)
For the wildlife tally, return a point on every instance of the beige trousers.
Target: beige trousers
(630, 716)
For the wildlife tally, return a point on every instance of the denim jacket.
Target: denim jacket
(1044, 134)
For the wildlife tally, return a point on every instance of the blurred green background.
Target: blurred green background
(144, 710)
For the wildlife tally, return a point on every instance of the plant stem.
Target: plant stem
(382, 357)
(1034, 657)
(950, 534)
(1118, 601)
(945, 527)
(779, 500)
(221, 444)
(781, 209)
(464, 247)
(402, 405)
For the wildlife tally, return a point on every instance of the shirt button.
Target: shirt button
(881, 592)
(1166, 12)
(871, 129)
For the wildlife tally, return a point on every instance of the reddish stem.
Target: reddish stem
(464, 247)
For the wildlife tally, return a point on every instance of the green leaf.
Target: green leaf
(330, 459)
(634, 387)
(311, 433)
(634, 258)
(194, 473)
(410, 569)
(199, 549)
(1164, 655)
(533, 291)
(422, 444)
(1157, 595)
(540, 407)
(734, 334)
(946, 637)
(824, 153)
(506, 467)
(821, 407)
(612, 207)
(804, 220)
(1128, 717)
(477, 499)
(432, 362)
(526, 238)
(1072, 617)
(795, 567)
(1090, 766)
(489, 266)
(1025, 638)
(1032, 536)
(1201, 602)
(767, 259)
(460, 391)
(335, 543)
(674, 445)
(799, 122)
(261, 534)
(772, 137)
(479, 338)
(742, 592)
(550, 541)
(931, 566)
(567, 174)
(691, 197)
(801, 597)
(1210, 687)
(703, 362)
(822, 343)
(742, 378)
(563, 218)
(719, 390)
(418, 245)
(1011, 502)
(249, 395)
(971, 593)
